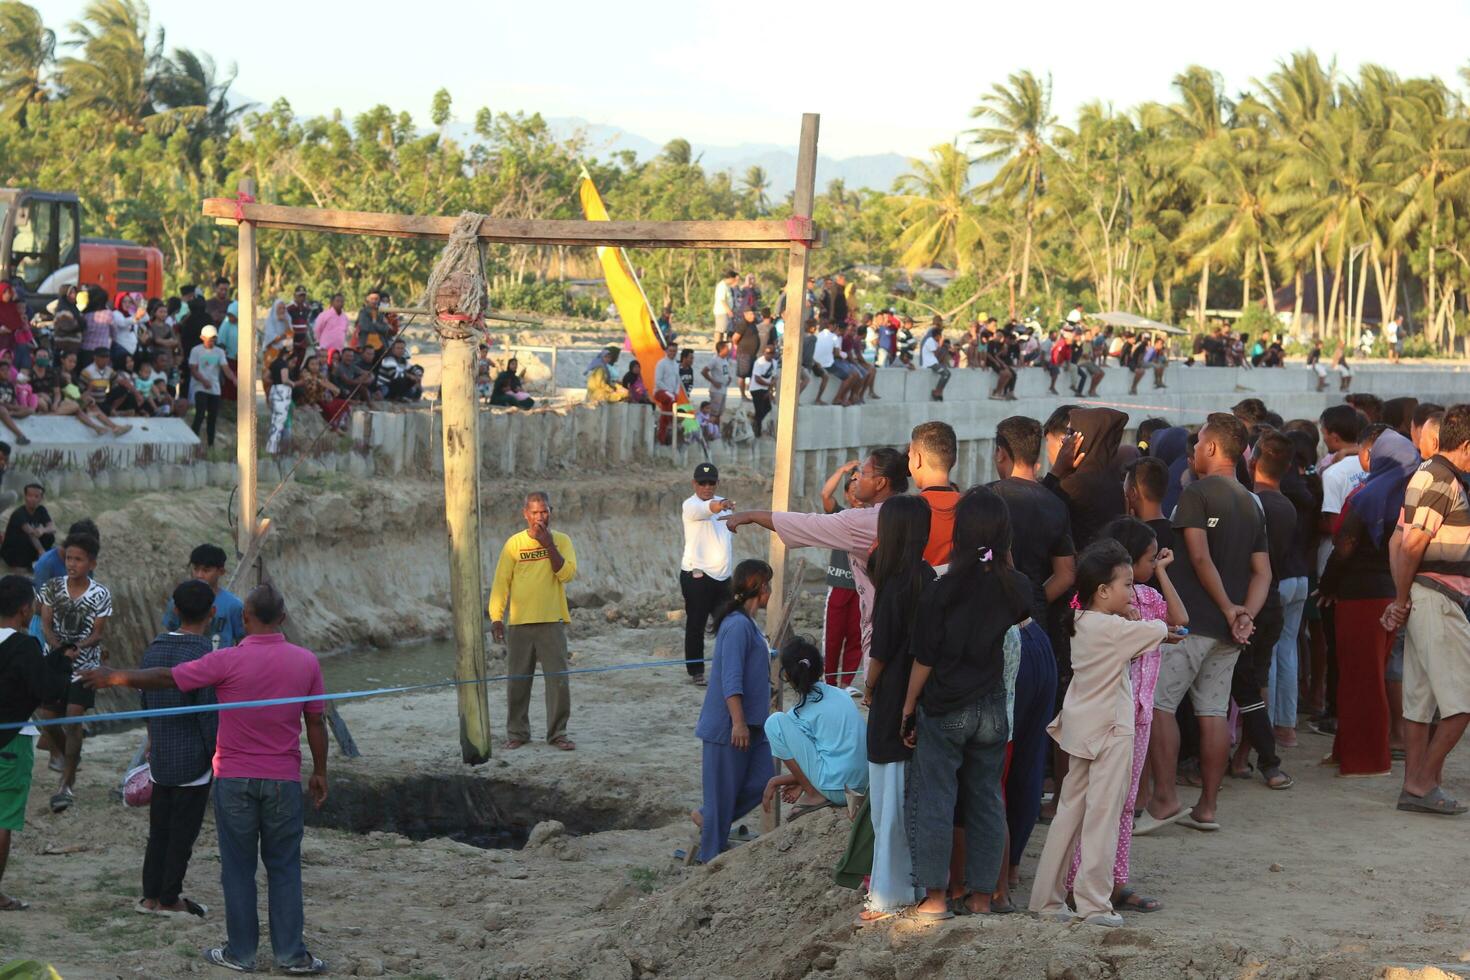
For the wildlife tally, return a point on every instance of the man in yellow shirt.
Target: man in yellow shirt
(531, 578)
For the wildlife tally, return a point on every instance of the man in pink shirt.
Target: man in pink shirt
(882, 475)
(257, 770)
(331, 328)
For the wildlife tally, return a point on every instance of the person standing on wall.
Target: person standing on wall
(709, 559)
(531, 579)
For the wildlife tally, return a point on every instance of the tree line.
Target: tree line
(1353, 190)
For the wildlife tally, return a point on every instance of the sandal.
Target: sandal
(1133, 902)
(868, 917)
(515, 743)
(1434, 802)
(1276, 779)
(564, 743)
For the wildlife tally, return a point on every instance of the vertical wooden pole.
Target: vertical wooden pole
(795, 325)
(461, 416)
(245, 388)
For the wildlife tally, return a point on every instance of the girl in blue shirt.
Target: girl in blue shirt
(736, 761)
(823, 740)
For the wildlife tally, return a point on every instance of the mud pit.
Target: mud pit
(1361, 888)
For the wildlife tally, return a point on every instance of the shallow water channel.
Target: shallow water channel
(365, 668)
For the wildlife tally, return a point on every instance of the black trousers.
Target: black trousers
(1252, 674)
(174, 818)
(206, 406)
(762, 402)
(702, 596)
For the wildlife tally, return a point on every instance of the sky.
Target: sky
(885, 77)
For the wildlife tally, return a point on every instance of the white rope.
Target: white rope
(456, 291)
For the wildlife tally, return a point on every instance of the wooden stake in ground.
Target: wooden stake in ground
(795, 316)
(245, 390)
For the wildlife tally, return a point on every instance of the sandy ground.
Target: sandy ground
(1324, 881)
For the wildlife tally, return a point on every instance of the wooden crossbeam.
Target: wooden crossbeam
(627, 234)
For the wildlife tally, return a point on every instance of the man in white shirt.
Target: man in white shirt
(725, 304)
(762, 383)
(1393, 334)
(1342, 472)
(828, 355)
(718, 373)
(666, 389)
(708, 562)
(929, 360)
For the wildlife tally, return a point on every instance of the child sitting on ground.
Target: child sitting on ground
(822, 740)
(1095, 728)
(707, 422)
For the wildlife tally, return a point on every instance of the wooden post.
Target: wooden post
(795, 325)
(245, 390)
(458, 407)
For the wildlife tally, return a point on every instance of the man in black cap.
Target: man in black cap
(709, 560)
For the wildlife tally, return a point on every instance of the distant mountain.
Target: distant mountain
(876, 171)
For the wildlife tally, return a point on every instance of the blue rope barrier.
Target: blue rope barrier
(192, 709)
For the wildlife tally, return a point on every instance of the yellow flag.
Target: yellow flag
(633, 308)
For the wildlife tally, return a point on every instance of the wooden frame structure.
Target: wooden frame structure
(457, 393)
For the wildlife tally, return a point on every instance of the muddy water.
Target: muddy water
(364, 668)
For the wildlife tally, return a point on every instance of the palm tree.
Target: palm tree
(118, 71)
(27, 50)
(678, 152)
(189, 81)
(1235, 224)
(757, 184)
(939, 212)
(1201, 138)
(1020, 122)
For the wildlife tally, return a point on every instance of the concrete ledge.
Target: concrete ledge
(57, 440)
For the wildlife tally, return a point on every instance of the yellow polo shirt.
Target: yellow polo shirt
(524, 580)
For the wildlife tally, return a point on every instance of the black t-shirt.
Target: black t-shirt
(749, 343)
(686, 378)
(1287, 560)
(1235, 528)
(964, 644)
(18, 550)
(28, 679)
(1164, 534)
(1041, 530)
(893, 624)
(1357, 568)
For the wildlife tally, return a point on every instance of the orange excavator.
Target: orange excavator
(41, 250)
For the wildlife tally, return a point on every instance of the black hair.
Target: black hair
(1369, 404)
(266, 604)
(1454, 428)
(1096, 566)
(936, 439)
(222, 281)
(1343, 421)
(1146, 430)
(1274, 420)
(1424, 410)
(1151, 476)
(1305, 448)
(1229, 433)
(33, 486)
(801, 665)
(193, 600)
(1020, 437)
(15, 592)
(1134, 535)
(1059, 420)
(750, 577)
(174, 304)
(1251, 411)
(1398, 413)
(208, 556)
(4, 447)
(893, 466)
(85, 526)
(86, 542)
(981, 549)
(1371, 433)
(897, 560)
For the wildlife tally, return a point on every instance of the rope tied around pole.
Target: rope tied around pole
(456, 290)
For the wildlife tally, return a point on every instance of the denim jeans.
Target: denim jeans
(1283, 684)
(261, 816)
(959, 758)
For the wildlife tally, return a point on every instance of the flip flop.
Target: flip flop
(923, 916)
(1269, 774)
(1189, 821)
(1006, 909)
(1131, 901)
(876, 917)
(1434, 802)
(515, 743)
(1148, 823)
(564, 743)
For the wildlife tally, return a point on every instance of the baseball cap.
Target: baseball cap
(208, 332)
(1074, 317)
(706, 473)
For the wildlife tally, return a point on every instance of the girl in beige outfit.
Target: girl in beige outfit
(1095, 728)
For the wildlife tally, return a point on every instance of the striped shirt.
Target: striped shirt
(1435, 503)
(72, 619)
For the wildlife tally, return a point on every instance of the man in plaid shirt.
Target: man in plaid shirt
(180, 756)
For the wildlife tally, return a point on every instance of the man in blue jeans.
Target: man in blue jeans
(257, 769)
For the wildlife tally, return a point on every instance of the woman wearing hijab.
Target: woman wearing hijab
(1358, 582)
(1171, 445)
(1084, 474)
(189, 331)
(276, 334)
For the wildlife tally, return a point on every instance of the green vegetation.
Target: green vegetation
(1356, 190)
